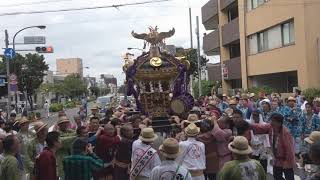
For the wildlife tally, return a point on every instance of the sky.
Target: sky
(101, 36)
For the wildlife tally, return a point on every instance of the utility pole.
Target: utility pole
(198, 55)
(8, 72)
(190, 21)
(191, 46)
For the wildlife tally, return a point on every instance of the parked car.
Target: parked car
(104, 101)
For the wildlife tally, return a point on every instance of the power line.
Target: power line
(84, 8)
(136, 19)
(34, 3)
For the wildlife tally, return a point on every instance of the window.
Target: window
(234, 50)
(252, 4)
(275, 37)
(288, 33)
(253, 46)
(233, 13)
(262, 39)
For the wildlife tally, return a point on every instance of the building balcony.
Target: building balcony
(225, 3)
(232, 69)
(214, 72)
(211, 43)
(210, 15)
(230, 32)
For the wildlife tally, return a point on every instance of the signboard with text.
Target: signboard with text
(34, 40)
(225, 71)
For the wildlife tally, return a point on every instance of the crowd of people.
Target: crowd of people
(228, 138)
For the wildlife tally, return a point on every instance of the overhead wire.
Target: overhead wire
(84, 8)
(34, 3)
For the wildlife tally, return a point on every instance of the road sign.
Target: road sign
(2, 82)
(13, 79)
(34, 40)
(9, 53)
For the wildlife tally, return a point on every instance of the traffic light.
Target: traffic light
(44, 49)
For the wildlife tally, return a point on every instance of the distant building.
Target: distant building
(69, 66)
(59, 78)
(270, 43)
(91, 82)
(109, 79)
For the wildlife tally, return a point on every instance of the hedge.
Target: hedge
(311, 93)
(56, 107)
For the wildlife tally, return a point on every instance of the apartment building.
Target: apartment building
(271, 43)
(69, 66)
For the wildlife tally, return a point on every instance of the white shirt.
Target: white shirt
(168, 169)
(192, 154)
(138, 150)
(303, 106)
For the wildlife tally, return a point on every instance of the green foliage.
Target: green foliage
(265, 89)
(206, 88)
(34, 115)
(74, 86)
(71, 104)
(191, 55)
(104, 91)
(31, 77)
(311, 93)
(95, 91)
(56, 107)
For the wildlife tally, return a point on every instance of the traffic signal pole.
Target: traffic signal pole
(8, 73)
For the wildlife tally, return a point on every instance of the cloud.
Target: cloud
(101, 36)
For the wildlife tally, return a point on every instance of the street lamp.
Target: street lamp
(29, 27)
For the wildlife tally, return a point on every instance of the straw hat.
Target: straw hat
(95, 107)
(233, 102)
(317, 99)
(224, 95)
(291, 99)
(244, 96)
(170, 148)
(240, 146)
(147, 135)
(192, 130)
(313, 137)
(23, 120)
(63, 119)
(38, 126)
(252, 95)
(192, 118)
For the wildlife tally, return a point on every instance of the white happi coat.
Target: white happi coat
(168, 170)
(192, 155)
(138, 150)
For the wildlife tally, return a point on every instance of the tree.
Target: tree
(192, 56)
(72, 86)
(206, 88)
(95, 90)
(30, 70)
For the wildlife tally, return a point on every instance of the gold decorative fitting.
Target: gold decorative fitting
(156, 61)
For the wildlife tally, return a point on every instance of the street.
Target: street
(54, 116)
